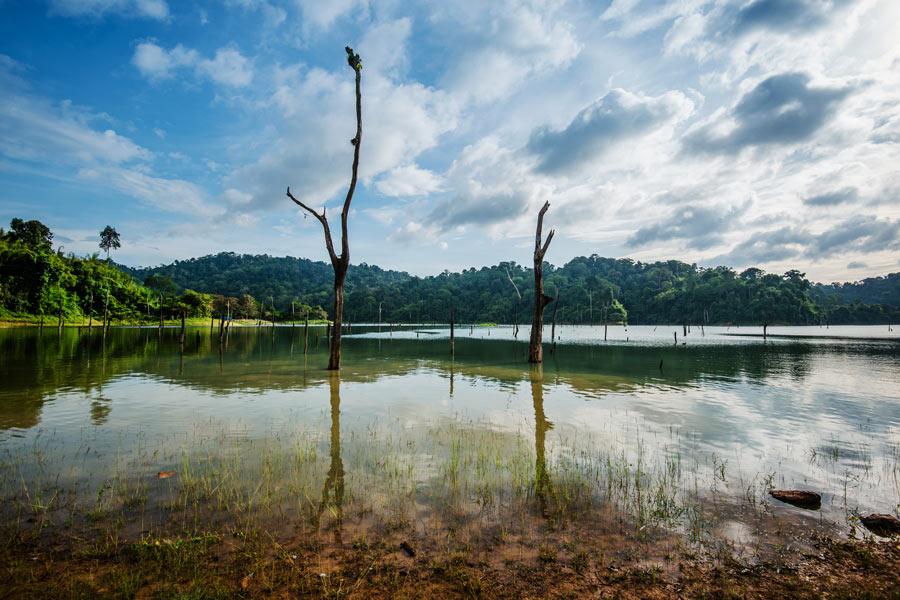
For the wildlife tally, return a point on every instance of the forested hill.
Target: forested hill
(592, 289)
(872, 290)
(36, 282)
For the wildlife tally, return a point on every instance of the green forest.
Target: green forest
(38, 282)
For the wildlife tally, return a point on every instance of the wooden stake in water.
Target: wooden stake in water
(451, 332)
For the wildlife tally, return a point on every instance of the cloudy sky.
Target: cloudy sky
(737, 132)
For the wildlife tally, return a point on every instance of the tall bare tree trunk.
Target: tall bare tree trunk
(541, 300)
(342, 261)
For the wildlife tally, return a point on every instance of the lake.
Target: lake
(682, 433)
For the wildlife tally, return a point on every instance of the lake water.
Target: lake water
(635, 417)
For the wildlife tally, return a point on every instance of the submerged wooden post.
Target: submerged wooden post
(272, 300)
(306, 333)
(181, 337)
(105, 312)
(553, 325)
(451, 332)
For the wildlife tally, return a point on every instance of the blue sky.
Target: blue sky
(739, 132)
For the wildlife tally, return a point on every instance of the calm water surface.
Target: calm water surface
(810, 407)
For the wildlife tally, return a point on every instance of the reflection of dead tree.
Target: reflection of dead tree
(516, 307)
(341, 261)
(541, 300)
(542, 484)
(334, 482)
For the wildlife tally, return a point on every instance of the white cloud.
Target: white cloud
(172, 195)
(504, 45)
(320, 15)
(315, 120)
(34, 129)
(154, 9)
(228, 67)
(408, 180)
(155, 62)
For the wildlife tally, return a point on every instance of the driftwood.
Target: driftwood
(801, 498)
(883, 525)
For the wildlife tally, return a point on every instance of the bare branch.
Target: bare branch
(328, 243)
(547, 243)
(513, 283)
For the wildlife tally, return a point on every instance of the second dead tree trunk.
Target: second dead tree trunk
(341, 261)
(541, 300)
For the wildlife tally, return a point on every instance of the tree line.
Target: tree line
(37, 281)
(591, 289)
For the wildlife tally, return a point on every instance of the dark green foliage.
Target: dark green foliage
(32, 234)
(872, 300)
(36, 281)
(592, 289)
(109, 240)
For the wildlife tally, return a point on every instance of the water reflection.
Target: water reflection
(332, 496)
(542, 484)
(817, 414)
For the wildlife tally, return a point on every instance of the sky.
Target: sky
(718, 132)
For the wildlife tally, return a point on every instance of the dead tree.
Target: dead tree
(541, 300)
(516, 307)
(341, 261)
